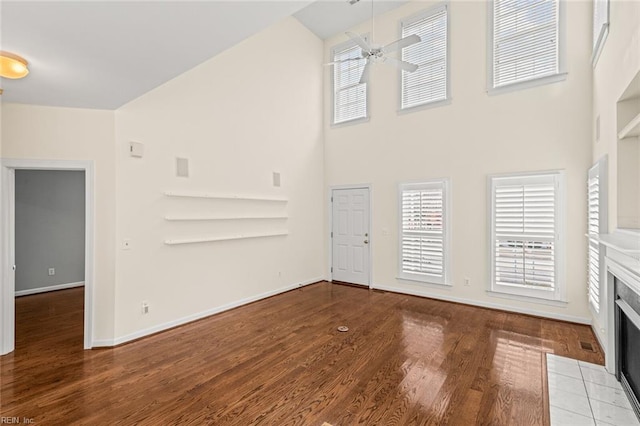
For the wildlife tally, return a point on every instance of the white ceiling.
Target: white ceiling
(103, 54)
(327, 18)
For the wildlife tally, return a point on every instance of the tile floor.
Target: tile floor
(582, 394)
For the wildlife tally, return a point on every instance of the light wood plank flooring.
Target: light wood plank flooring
(281, 361)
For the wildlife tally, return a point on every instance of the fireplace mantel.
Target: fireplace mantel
(624, 241)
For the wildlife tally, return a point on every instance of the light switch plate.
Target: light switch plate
(276, 179)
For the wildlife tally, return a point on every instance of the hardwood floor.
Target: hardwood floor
(281, 361)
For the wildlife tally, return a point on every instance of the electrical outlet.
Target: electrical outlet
(145, 308)
(52, 271)
(467, 281)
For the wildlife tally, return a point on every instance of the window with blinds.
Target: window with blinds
(526, 235)
(525, 40)
(429, 82)
(596, 224)
(600, 26)
(349, 96)
(423, 232)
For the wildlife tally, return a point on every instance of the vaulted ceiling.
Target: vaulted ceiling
(103, 54)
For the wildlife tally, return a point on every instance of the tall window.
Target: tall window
(424, 229)
(349, 96)
(525, 41)
(527, 235)
(600, 26)
(429, 82)
(597, 223)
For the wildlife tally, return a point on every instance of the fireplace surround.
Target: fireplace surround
(627, 341)
(622, 296)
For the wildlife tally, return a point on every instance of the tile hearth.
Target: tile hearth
(581, 393)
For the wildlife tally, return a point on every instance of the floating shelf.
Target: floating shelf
(632, 129)
(222, 197)
(204, 218)
(226, 238)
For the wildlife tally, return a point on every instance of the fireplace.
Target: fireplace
(627, 341)
(618, 326)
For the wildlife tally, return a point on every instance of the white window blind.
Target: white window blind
(525, 40)
(525, 235)
(600, 25)
(423, 232)
(429, 82)
(596, 224)
(349, 96)
(594, 246)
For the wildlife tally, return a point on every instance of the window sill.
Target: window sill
(426, 105)
(351, 122)
(600, 45)
(522, 85)
(531, 299)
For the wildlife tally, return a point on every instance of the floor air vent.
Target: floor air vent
(587, 346)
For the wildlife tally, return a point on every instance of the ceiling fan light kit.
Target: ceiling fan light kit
(12, 66)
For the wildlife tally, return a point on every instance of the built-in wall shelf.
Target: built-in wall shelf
(210, 195)
(223, 238)
(632, 129)
(236, 217)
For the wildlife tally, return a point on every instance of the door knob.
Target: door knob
(366, 241)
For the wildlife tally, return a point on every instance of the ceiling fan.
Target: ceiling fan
(372, 52)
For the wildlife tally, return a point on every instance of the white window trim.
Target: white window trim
(436, 103)
(340, 46)
(446, 239)
(601, 168)
(602, 36)
(559, 292)
(561, 75)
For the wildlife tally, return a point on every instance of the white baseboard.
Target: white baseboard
(483, 304)
(199, 315)
(600, 336)
(49, 288)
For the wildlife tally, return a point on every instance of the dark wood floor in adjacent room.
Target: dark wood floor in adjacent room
(405, 360)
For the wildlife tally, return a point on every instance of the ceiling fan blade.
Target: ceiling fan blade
(409, 67)
(340, 61)
(365, 73)
(402, 43)
(359, 41)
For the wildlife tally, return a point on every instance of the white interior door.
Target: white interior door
(350, 235)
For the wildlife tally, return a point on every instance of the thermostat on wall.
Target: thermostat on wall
(136, 149)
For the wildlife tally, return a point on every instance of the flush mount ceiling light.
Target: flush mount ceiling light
(12, 66)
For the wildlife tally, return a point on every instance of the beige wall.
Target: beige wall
(619, 62)
(617, 65)
(628, 183)
(253, 110)
(542, 128)
(49, 133)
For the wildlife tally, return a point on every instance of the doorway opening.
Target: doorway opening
(41, 266)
